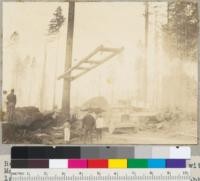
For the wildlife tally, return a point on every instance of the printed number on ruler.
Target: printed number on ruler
(100, 175)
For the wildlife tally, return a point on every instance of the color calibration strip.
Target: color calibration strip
(99, 163)
(100, 152)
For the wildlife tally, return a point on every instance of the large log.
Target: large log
(25, 116)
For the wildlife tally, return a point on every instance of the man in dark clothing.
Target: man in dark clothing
(11, 101)
(88, 123)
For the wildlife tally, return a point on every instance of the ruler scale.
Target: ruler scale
(101, 175)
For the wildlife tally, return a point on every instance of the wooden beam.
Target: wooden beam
(82, 68)
(95, 66)
(91, 62)
(107, 49)
(82, 61)
(87, 59)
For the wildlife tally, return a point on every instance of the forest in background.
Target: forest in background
(173, 83)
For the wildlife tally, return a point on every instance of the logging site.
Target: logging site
(100, 72)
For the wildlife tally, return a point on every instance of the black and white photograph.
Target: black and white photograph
(100, 72)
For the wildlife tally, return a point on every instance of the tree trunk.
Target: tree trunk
(42, 89)
(55, 75)
(145, 86)
(68, 61)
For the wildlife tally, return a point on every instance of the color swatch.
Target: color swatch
(137, 163)
(77, 163)
(58, 163)
(176, 163)
(100, 163)
(156, 163)
(117, 163)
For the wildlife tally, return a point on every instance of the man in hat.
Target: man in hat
(11, 101)
(88, 125)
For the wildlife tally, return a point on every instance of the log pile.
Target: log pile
(30, 126)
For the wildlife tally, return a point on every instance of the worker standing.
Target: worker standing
(99, 126)
(88, 125)
(4, 100)
(11, 101)
(67, 132)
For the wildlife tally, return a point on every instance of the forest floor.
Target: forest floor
(184, 133)
(149, 137)
(169, 128)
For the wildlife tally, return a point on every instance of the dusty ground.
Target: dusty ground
(184, 134)
(169, 128)
(147, 138)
